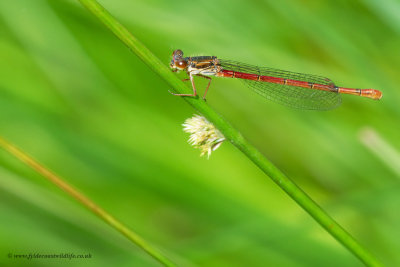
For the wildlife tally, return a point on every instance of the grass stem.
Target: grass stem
(85, 201)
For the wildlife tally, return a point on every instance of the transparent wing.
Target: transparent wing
(288, 95)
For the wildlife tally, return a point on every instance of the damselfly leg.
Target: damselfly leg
(194, 87)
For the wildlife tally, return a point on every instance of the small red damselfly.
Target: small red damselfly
(296, 90)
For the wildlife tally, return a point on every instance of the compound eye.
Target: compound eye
(181, 64)
(177, 54)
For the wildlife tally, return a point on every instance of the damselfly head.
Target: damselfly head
(178, 62)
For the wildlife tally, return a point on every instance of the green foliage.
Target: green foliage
(80, 102)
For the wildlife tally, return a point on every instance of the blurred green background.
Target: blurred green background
(75, 98)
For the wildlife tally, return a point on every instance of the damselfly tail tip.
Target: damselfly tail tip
(379, 94)
(370, 93)
(374, 94)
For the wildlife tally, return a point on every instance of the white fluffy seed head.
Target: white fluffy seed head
(203, 134)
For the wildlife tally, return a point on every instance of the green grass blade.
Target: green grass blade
(85, 201)
(232, 135)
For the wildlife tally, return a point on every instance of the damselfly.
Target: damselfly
(296, 90)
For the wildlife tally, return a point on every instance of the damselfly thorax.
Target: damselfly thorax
(297, 90)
